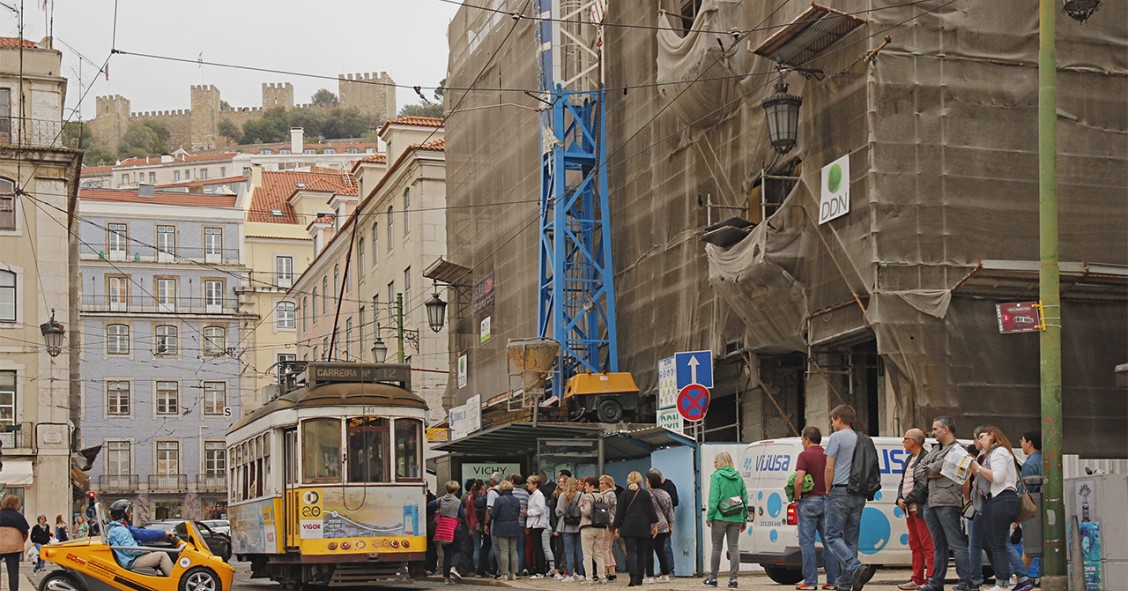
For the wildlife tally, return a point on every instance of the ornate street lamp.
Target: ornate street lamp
(436, 310)
(1080, 10)
(782, 111)
(379, 349)
(53, 335)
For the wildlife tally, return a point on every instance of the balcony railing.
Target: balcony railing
(116, 483)
(43, 133)
(147, 304)
(168, 482)
(139, 253)
(211, 483)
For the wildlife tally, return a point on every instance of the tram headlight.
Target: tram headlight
(332, 545)
(395, 543)
(406, 544)
(345, 545)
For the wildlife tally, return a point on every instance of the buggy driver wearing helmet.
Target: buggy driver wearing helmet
(120, 533)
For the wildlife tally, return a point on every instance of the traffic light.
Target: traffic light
(91, 512)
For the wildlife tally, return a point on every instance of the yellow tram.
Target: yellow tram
(325, 481)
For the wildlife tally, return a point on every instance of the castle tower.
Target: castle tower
(278, 95)
(204, 117)
(111, 120)
(369, 93)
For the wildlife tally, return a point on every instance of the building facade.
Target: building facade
(38, 189)
(889, 307)
(278, 249)
(167, 359)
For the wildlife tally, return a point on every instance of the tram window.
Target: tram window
(368, 449)
(266, 464)
(409, 433)
(321, 450)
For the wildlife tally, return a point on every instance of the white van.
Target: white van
(773, 536)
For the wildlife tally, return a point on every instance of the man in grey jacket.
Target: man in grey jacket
(945, 500)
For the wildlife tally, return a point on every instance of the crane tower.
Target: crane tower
(576, 299)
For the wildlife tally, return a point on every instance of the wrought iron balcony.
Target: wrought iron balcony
(168, 483)
(148, 304)
(211, 483)
(40, 133)
(115, 483)
(140, 253)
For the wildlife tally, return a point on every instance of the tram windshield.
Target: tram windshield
(409, 436)
(368, 449)
(321, 450)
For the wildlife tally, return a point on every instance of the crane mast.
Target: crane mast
(576, 299)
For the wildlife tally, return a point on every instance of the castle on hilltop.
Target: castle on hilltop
(197, 129)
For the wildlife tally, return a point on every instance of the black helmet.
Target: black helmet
(120, 509)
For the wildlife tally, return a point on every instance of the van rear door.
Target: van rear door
(767, 465)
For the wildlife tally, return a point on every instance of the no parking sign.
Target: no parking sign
(693, 402)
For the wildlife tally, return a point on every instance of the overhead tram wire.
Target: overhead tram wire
(733, 32)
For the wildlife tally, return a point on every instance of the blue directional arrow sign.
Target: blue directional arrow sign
(694, 367)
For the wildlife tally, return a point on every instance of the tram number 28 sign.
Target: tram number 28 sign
(693, 402)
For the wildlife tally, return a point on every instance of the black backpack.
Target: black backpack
(480, 508)
(572, 512)
(600, 514)
(865, 473)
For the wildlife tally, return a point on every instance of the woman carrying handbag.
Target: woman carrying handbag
(726, 517)
(13, 536)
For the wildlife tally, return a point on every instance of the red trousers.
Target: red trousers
(920, 543)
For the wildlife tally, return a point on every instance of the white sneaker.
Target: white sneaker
(454, 574)
(577, 579)
(649, 581)
(664, 579)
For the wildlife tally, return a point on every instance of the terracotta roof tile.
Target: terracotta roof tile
(15, 42)
(370, 159)
(94, 170)
(438, 145)
(411, 121)
(277, 187)
(341, 147)
(161, 198)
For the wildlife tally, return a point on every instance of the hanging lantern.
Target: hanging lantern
(53, 335)
(1080, 10)
(782, 111)
(436, 311)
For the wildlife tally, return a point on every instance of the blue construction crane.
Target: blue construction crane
(576, 288)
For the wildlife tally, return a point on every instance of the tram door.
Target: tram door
(290, 498)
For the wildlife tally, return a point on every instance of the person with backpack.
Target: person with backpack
(607, 490)
(536, 521)
(568, 526)
(664, 506)
(843, 505)
(594, 519)
(522, 495)
(726, 516)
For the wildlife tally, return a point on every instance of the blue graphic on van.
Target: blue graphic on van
(773, 463)
(875, 531)
(773, 535)
(775, 504)
(893, 461)
(904, 539)
(898, 513)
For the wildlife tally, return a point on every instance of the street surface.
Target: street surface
(885, 580)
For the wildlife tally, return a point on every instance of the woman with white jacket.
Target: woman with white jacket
(535, 523)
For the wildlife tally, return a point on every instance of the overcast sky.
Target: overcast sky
(405, 38)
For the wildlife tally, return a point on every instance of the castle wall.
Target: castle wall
(197, 129)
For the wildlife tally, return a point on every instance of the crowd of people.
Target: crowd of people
(935, 502)
(570, 529)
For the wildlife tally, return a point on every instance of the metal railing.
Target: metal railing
(168, 482)
(147, 304)
(138, 253)
(211, 483)
(118, 482)
(31, 132)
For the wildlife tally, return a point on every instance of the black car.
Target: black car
(219, 543)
